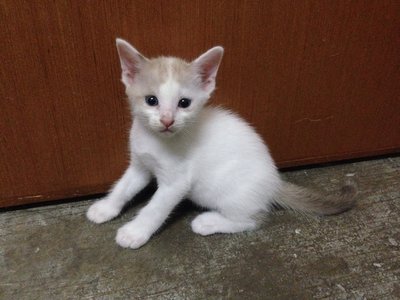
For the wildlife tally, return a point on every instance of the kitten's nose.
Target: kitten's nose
(167, 122)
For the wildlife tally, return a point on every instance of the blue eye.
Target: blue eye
(151, 100)
(184, 102)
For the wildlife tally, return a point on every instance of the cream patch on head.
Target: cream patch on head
(169, 91)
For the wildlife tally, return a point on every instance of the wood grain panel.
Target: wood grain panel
(318, 79)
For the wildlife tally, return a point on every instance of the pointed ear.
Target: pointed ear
(131, 61)
(207, 66)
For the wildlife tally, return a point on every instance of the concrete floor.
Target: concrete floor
(53, 252)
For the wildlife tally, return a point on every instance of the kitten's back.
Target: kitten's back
(235, 151)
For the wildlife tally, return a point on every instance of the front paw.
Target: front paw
(129, 236)
(102, 211)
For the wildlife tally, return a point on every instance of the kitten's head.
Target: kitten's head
(166, 93)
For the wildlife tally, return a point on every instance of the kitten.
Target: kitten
(206, 154)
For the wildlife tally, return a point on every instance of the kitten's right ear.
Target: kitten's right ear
(131, 61)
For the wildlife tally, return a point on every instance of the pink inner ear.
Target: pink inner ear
(129, 73)
(207, 65)
(207, 73)
(129, 66)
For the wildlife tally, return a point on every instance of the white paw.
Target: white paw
(102, 211)
(129, 236)
(205, 224)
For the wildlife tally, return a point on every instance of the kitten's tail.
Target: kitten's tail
(309, 201)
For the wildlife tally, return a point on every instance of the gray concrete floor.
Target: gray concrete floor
(53, 252)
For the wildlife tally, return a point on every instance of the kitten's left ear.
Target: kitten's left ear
(131, 61)
(207, 66)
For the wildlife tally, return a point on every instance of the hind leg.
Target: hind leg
(213, 222)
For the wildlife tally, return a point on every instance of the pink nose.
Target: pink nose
(167, 122)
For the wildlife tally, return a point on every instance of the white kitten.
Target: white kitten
(209, 155)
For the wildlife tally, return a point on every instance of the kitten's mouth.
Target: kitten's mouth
(166, 130)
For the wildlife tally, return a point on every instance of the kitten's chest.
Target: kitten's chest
(154, 155)
(149, 155)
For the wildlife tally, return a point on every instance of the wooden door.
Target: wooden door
(318, 79)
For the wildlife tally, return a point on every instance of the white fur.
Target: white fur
(211, 156)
